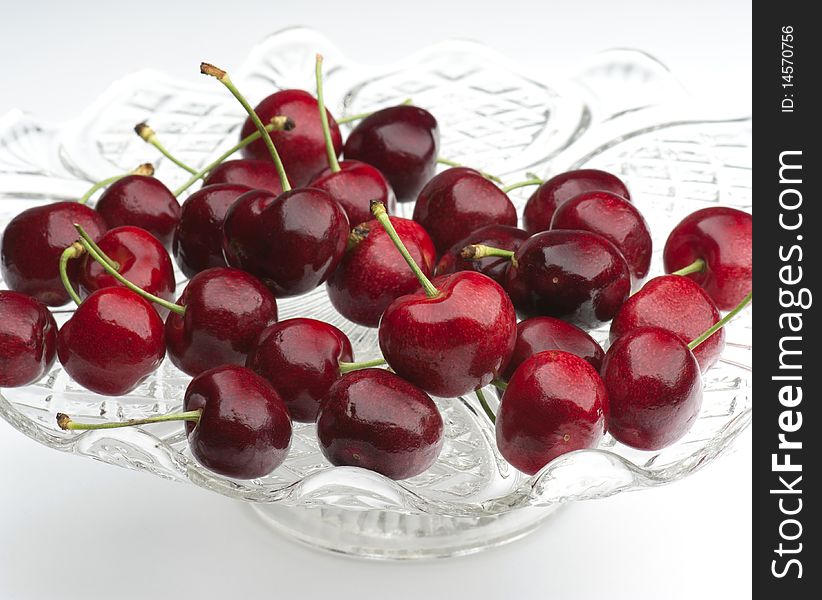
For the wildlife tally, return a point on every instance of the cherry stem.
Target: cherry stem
(333, 163)
(347, 367)
(722, 322)
(695, 267)
(149, 136)
(453, 163)
(222, 77)
(76, 250)
(358, 116)
(478, 251)
(146, 169)
(379, 212)
(66, 424)
(519, 184)
(89, 246)
(484, 403)
(278, 123)
(500, 384)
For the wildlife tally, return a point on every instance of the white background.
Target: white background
(73, 528)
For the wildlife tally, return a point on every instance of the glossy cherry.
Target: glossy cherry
(654, 388)
(28, 339)
(143, 202)
(555, 403)
(459, 201)
(372, 274)
(225, 311)
(198, 238)
(402, 142)
(576, 275)
(376, 420)
(32, 245)
(495, 267)
(301, 148)
(676, 304)
(354, 186)
(722, 238)
(614, 218)
(256, 174)
(539, 210)
(112, 343)
(300, 358)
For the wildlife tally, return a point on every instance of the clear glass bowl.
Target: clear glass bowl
(621, 111)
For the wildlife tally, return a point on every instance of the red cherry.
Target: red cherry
(539, 210)
(32, 245)
(28, 339)
(300, 358)
(243, 431)
(555, 403)
(654, 388)
(722, 237)
(375, 420)
(676, 304)
(495, 267)
(225, 311)
(143, 202)
(112, 343)
(354, 186)
(254, 173)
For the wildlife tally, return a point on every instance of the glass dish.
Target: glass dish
(621, 111)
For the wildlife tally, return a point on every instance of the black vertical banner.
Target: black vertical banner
(787, 47)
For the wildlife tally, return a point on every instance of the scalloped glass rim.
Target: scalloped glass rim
(621, 110)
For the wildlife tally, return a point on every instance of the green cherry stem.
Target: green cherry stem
(347, 367)
(149, 136)
(333, 163)
(695, 267)
(722, 322)
(484, 403)
(105, 262)
(519, 184)
(379, 212)
(478, 251)
(452, 163)
(358, 116)
(76, 250)
(66, 424)
(146, 169)
(500, 384)
(222, 77)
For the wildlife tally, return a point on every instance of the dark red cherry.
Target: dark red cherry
(376, 420)
(225, 311)
(354, 186)
(28, 339)
(292, 242)
(402, 142)
(243, 431)
(301, 148)
(198, 238)
(372, 274)
(459, 201)
(722, 237)
(614, 218)
(576, 275)
(113, 342)
(452, 343)
(255, 174)
(143, 202)
(676, 304)
(300, 358)
(540, 334)
(495, 267)
(141, 259)
(654, 388)
(33, 242)
(555, 403)
(539, 210)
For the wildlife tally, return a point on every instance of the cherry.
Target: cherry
(198, 238)
(713, 246)
(376, 420)
(402, 142)
(676, 304)
(112, 342)
(301, 359)
(254, 173)
(459, 201)
(372, 274)
(614, 218)
(540, 334)
(495, 267)
(32, 245)
(28, 339)
(453, 336)
(539, 210)
(555, 403)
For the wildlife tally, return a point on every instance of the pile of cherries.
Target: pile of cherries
(444, 289)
